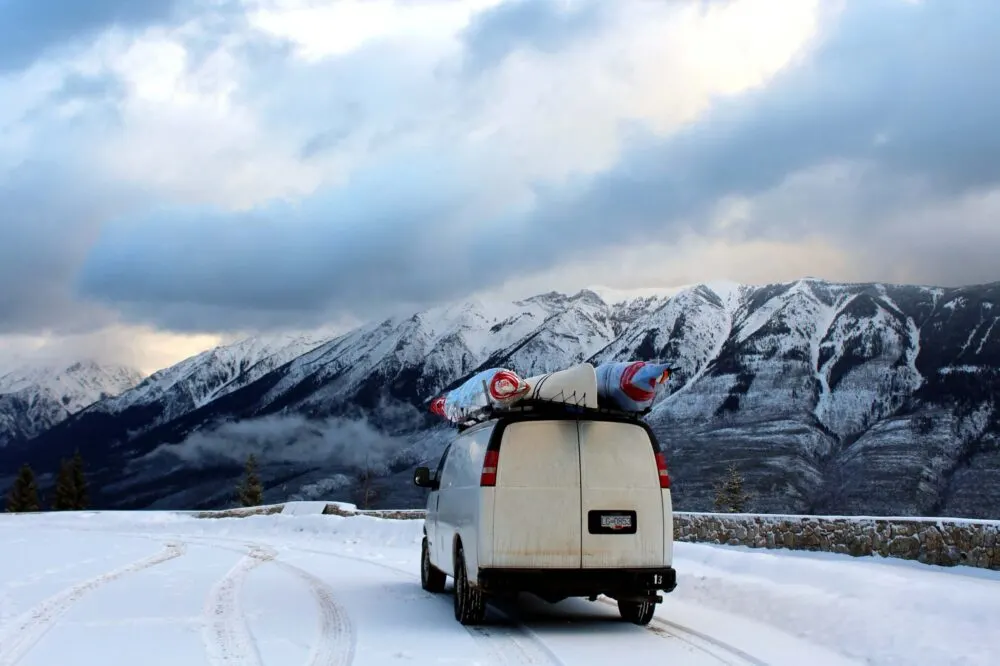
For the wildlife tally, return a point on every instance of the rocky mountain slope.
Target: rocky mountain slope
(835, 398)
(199, 380)
(829, 397)
(35, 398)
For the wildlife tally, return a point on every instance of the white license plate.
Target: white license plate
(616, 522)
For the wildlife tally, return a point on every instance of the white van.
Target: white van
(555, 504)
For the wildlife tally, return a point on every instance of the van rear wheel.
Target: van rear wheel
(470, 605)
(637, 612)
(432, 579)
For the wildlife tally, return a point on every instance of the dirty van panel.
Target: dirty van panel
(622, 513)
(459, 493)
(536, 514)
(668, 529)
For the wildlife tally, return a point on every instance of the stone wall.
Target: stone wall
(240, 512)
(941, 541)
(344, 509)
(928, 540)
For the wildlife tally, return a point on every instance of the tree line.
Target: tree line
(71, 492)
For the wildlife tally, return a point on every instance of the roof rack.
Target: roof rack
(569, 404)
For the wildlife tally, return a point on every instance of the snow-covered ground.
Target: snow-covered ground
(294, 589)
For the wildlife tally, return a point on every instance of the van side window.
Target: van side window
(475, 451)
(464, 465)
(451, 472)
(440, 467)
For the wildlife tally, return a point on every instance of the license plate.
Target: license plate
(616, 522)
(611, 521)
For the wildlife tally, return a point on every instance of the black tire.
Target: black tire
(637, 612)
(470, 605)
(432, 579)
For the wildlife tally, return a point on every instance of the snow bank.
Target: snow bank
(878, 611)
(303, 508)
(330, 529)
(873, 610)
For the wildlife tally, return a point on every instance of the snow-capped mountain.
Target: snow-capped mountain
(830, 397)
(34, 398)
(833, 398)
(188, 386)
(198, 380)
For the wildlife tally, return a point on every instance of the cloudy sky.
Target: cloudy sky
(173, 172)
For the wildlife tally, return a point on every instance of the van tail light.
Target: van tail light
(489, 476)
(661, 467)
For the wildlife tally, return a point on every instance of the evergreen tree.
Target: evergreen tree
(23, 495)
(71, 486)
(81, 496)
(729, 495)
(65, 493)
(250, 492)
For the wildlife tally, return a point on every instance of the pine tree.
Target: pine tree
(250, 492)
(81, 497)
(23, 495)
(729, 495)
(71, 486)
(65, 493)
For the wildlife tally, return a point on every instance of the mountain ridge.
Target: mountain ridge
(35, 397)
(832, 397)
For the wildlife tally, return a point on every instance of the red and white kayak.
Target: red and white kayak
(628, 386)
(576, 385)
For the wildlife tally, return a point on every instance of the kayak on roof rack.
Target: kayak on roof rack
(629, 387)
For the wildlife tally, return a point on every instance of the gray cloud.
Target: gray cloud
(907, 91)
(31, 28)
(388, 237)
(543, 25)
(49, 215)
(100, 88)
(921, 76)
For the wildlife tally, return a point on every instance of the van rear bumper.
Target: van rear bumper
(578, 582)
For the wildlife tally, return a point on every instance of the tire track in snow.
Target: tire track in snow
(513, 644)
(335, 641)
(19, 635)
(733, 656)
(226, 635)
(523, 647)
(506, 644)
(730, 655)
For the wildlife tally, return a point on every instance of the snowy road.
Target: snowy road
(158, 588)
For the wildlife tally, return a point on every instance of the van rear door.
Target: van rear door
(622, 501)
(536, 513)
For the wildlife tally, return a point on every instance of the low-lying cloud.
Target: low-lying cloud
(291, 439)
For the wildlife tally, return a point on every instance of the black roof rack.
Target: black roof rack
(573, 404)
(564, 408)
